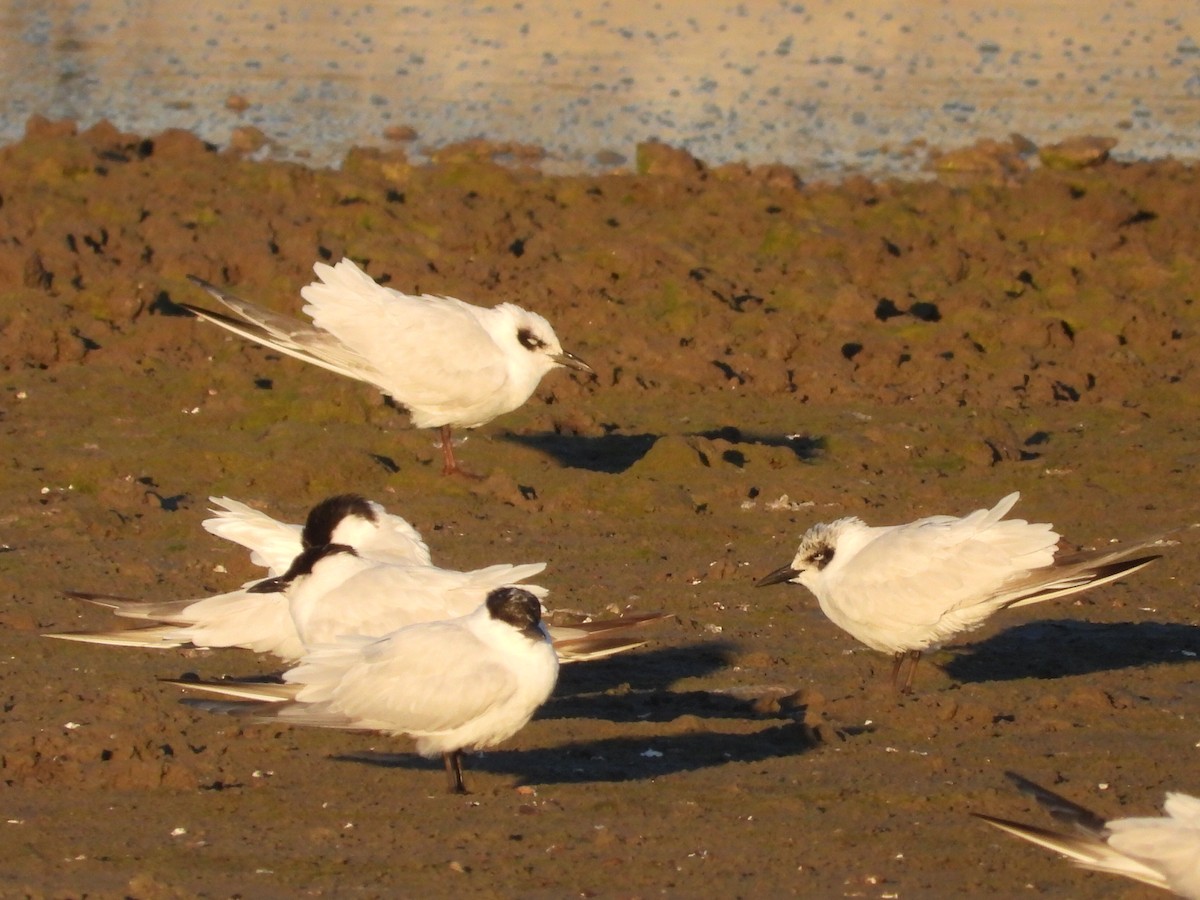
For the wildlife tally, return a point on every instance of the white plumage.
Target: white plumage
(1162, 851)
(386, 583)
(373, 532)
(354, 595)
(903, 589)
(449, 363)
(460, 684)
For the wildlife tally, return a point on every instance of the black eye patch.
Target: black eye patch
(821, 558)
(529, 340)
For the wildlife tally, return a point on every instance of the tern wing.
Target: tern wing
(428, 351)
(383, 598)
(157, 637)
(1184, 809)
(600, 639)
(1066, 811)
(272, 544)
(262, 691)
(419, 680)
(290, 336)
(1169, 845)
(1086, 851)
(1159, 851)
(395, 540)
(1074, 572)
(258, 622)
(586, 649)
(917, 573)
(132, 608)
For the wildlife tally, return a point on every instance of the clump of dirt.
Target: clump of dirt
(770, 353)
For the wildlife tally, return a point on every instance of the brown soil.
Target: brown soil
(770, 354)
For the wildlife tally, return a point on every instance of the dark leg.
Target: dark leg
(454, 777)
(914, 657)
(897, 658)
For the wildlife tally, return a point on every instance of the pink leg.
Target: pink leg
(450, 465)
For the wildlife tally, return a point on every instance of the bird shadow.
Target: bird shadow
(607, 453)
(613, 453)
(626, 687)
(617, 759)
(624, 705)
(1060, 648)
(652, 668)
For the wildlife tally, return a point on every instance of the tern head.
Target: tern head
(519, 608)
(301, 566)
(529, 338)
(818, 548)
(343, 515)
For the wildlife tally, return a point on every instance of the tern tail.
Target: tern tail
(258, 691)
(600, 639)
(131, 608)
(1075, 572)
(156, 637)
(1085, 851)
(298, 339)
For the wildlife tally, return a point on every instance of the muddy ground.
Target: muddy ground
(769, 354)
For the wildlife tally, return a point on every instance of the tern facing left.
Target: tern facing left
(454, 685)
(903, 589)
(449, 363)
(1162, 851)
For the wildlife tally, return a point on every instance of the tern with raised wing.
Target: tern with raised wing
(448, 363)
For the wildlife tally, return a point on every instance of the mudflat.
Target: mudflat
(769, 354)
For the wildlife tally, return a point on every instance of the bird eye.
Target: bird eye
(529, 340)
(821, 558)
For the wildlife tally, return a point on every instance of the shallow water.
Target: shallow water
(823, 86)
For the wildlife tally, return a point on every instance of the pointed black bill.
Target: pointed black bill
(301, 565)
(571, 361)
(779, 576)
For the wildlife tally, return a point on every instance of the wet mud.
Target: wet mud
(769, 354)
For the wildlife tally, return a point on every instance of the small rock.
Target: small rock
(986, 157)
(40, 127)
(1077, 152)
(610, 158)
(755, 659)
(657, 158)
(777, 175)
(247, 139)
(175, 143)
(766, 705)
(400, 133)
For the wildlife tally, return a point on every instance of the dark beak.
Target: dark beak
(270, 585)
(779, 576)
(536, 633)
(571, 361)
(301, 565)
